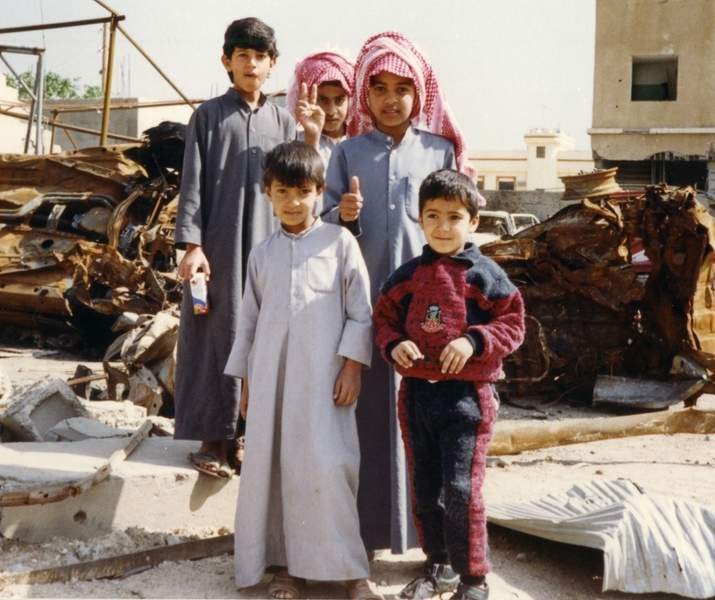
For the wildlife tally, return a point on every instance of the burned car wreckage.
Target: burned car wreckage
(617, 285)
(620, 284)
(88, 235)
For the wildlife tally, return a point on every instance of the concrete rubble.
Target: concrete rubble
(31, 414)
(155, 489)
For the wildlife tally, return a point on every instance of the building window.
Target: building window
(540, 151)
(480, 183)
(506, 183)
(654, 79)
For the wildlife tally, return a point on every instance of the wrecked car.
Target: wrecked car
(592, 309)
(87, 235)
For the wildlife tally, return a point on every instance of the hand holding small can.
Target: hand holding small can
(199, 293)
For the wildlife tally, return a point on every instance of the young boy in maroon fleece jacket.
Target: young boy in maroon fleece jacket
(446, 319)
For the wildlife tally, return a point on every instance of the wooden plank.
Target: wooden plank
(515, 437)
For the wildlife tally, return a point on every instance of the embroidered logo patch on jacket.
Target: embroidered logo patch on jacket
(433, 319)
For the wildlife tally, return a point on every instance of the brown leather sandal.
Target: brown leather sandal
(284, 586)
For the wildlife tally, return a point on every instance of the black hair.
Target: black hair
(250, 33)
(294, 164)
(450, 185)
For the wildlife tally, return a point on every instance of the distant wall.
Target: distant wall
(541, 204)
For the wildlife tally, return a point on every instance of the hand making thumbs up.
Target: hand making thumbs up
(351, 203)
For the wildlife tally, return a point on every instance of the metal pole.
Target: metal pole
(19, 79)
(52, 131)
(33, 109)
(39, 141)
(124, 105)
(105, 33)
(62, 24)
(106, 110)
(153, 64)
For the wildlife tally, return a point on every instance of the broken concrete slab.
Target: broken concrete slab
(39, 407)
(155, 489)
(82, 428)
(120, 414)
(644, 394)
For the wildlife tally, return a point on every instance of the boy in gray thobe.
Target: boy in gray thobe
(221, 216)
(372, 187)
(304, 335)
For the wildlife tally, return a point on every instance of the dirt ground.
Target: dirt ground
(524, 567)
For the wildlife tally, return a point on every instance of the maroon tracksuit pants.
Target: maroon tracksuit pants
(446, 427)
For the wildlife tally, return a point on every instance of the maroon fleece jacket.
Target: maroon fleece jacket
(434, 299)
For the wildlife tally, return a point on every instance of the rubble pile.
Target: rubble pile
(618, 284)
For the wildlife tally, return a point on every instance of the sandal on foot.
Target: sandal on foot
(284, 586)
(361, 589)
(208, 464)
(471, 592)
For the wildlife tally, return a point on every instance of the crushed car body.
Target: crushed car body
(592, 309)
(89, 233)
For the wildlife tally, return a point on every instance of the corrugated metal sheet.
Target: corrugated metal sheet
(651, 543)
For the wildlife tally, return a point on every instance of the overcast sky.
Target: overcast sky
(506, 66)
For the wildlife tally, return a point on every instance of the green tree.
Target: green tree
(56, 86)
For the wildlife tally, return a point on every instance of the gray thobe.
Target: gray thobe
(306, 305)
(390, 176)
(326, 145)
(222, 209)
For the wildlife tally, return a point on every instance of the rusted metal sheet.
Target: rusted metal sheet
(594, 309)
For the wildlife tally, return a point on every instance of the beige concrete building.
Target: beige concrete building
(12, 130)
(548, 156)
(654, 85)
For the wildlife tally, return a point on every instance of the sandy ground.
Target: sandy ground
(524, 567)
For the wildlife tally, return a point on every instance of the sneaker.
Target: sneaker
(438, 579)
(471, 592)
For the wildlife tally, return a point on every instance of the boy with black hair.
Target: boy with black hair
(446, 319)
(303, 338)
(221, 217)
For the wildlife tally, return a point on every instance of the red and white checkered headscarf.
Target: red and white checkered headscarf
(392, 52)
(319, 68)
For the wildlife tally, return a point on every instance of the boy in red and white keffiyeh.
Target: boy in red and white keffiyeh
(331, 74)
(399, 132)
(391, 52)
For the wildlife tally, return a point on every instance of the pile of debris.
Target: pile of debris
(88, 235)
(618, 285)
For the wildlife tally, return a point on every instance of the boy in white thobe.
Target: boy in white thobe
(304, 335)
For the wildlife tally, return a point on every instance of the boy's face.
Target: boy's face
(333, 99)
(249, 67)
(293, 205)
(446, 224)
(391, 99)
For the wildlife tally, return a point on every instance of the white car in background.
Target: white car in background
(496, 224)
(524, 220)
(493, 225)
